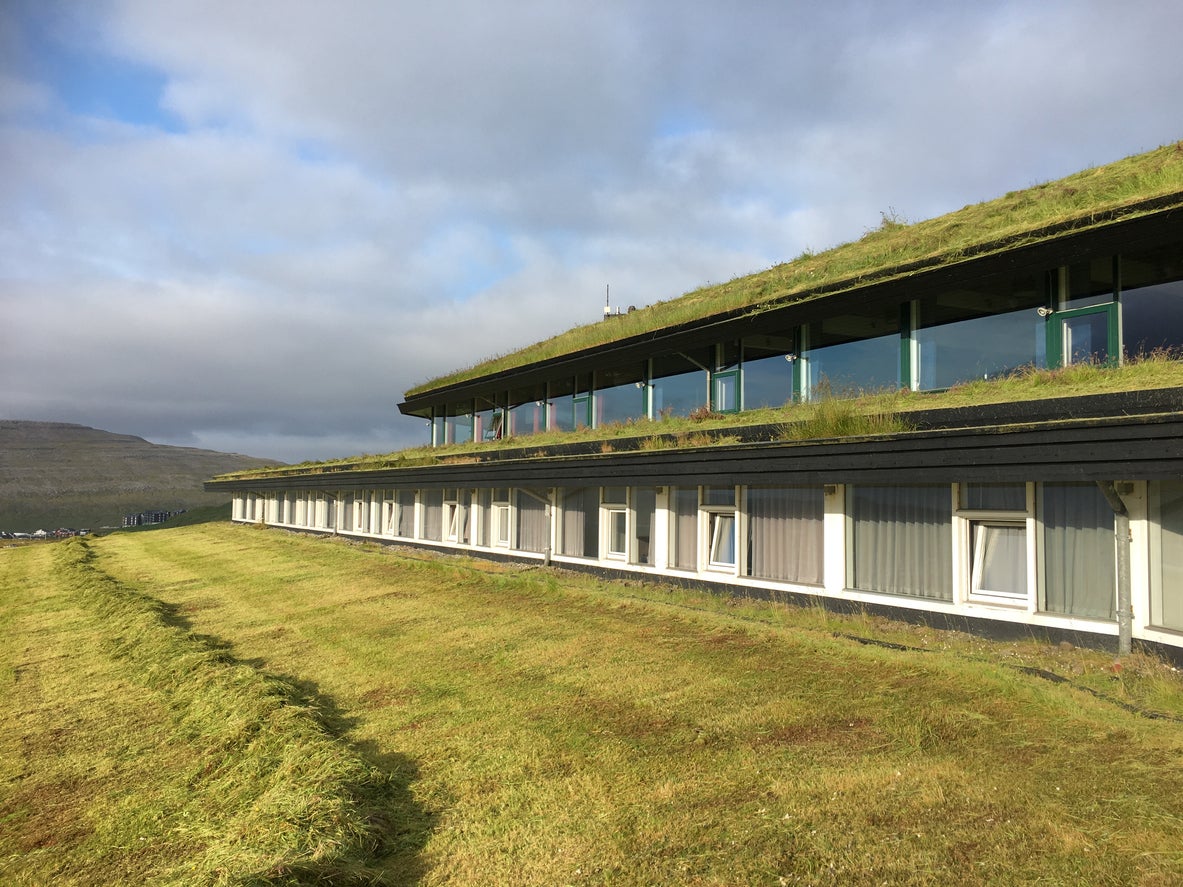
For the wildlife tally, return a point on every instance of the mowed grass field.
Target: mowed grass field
(230, 705)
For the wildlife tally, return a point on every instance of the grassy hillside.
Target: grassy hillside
(490, 724)
(58, 475)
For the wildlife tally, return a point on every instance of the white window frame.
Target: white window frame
(609, 513)
(710, 537)
(968, 564)
(502, 535)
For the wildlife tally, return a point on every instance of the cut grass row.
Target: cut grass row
(136, 751)
(551, 729)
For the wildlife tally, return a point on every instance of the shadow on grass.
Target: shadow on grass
(398, 825)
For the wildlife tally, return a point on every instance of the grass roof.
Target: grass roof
(885, 412)
(1124, 189)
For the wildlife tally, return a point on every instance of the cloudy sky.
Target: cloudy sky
(250, 226)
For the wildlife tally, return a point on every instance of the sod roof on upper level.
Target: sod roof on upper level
(1128, 188)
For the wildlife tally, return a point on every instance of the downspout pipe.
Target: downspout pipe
(1121, 530)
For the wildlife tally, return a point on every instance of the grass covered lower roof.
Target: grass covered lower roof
(884, 413)
(1125, 189)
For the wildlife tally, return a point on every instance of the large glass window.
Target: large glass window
(980, 333)
(644, 510)
(785, 533)
(433, 515)
(1089, 283)
(684, 528)
(483, 518)
(1152, 300)
(560, 406)
(1166, 555)
(489, 423)
(458, 423)
(619, 396)
(1078, 551)
(854, 354)
(581, 527)
(527, 411)
(768, 370)
(533, 530)
(679, 383)
(402, 522)
(902, 540)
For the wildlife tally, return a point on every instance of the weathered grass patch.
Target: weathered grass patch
(147, 754)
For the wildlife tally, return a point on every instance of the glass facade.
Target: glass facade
(980, 333)
(1152, 301)
(679, 384)
(619, 396)
(854, 354)
(768, 362)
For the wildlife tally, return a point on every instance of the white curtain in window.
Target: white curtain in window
(785, 533)
(405, 522)
(1000, 558)
(685, 508)
(581, 510)
(1080, 576)
(1170, 586)
(482, 517)
(644, 508)
(722, 552)
(903, 540)
(533, 532)
(433, 515)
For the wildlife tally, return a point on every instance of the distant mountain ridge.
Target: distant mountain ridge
(56, 474)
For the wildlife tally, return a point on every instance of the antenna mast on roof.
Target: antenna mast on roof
(607, 300)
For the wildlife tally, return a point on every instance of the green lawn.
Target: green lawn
(451, 721)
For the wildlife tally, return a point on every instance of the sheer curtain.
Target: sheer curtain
(1169, 609)
(903, 540)
(785, 533)
(405, 508)
(644, 508)
(1078, 551)
(581, 510)
(999, 558)
(433, 515)
(533, 532)
(685, 509)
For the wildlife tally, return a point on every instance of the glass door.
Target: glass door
(1085, 335)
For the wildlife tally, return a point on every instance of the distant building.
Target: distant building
(1063, 516)
(144, 518)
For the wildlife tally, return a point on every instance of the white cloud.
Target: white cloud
(343, 201)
